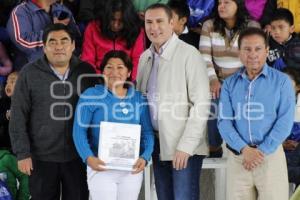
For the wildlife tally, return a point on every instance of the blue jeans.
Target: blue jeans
(214, 137)
(172, 184)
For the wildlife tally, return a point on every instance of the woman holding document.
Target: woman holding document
(118, 104)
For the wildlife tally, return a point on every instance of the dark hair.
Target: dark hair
(242, 18)
(180, 8)
(121, 55)
(294, 74)
(283, 14)
(57, 27)
(165, 7)
(131, 22)
(252, 31)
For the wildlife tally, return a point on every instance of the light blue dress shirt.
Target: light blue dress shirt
(152, 91)
(256, 112)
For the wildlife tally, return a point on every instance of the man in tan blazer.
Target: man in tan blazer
(173, 76)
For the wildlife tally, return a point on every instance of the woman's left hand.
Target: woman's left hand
(139, 166)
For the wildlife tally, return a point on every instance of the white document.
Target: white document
(119, 145)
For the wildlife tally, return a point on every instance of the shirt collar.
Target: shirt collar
(290, 37)
(161, 49)
(129, 94)
(264, 72)
(62, 77)
(185, 30)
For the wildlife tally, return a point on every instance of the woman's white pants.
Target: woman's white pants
(114, 184)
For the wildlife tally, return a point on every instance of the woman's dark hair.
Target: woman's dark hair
(242, 17)
(121, 55)
(131, 22)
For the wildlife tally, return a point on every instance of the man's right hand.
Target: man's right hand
(95, 163)
(215, 87)
(252, 157)
(25, 166)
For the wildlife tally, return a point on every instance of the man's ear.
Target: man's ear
(292, 29)
(267, 49)
(172, 22)
(73, 46)
(44, 48)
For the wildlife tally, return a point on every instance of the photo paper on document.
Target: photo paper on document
(119, 145)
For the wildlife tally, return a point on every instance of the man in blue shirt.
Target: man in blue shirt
(255, 116)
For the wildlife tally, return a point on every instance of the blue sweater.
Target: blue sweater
(99, 104)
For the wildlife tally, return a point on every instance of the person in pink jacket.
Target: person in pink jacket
(117, 28)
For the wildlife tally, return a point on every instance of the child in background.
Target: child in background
(284, 44)
(181, 14)
(5, 111)
(8, 162)
(291, 144)
(16, 181)
(294, 7)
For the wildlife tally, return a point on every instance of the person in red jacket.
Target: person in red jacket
(117, 28)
